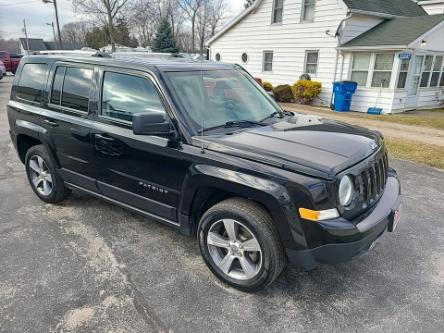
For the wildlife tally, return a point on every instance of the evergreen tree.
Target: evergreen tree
(122, 35)
(164, 40)
(97, 38)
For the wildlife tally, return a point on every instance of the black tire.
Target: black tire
(258, 222)
(59, 191)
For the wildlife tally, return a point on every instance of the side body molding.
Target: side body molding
(272, 195)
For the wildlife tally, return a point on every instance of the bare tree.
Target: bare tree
(210, 17)
(145, 18)
(191, 8)
(217, 15)
(105, 10)
(75, 32)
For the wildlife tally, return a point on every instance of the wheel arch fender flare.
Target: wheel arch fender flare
(268, 193)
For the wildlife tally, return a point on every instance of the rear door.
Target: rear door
(141, 171)
(67, 121)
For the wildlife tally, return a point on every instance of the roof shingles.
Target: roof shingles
(389, 7)
(399, 31)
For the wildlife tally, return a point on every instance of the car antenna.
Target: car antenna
(202, 106)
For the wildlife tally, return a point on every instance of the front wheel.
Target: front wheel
(240, 244)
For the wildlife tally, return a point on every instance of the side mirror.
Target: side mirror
(152, 123)
(271, 94)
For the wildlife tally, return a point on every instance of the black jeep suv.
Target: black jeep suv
(203, 148)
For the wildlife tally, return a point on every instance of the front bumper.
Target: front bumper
(352, 240)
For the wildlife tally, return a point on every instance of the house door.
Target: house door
(413, 85)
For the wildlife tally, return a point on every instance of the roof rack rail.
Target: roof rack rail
(93, 53)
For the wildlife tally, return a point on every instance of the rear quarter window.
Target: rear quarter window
(32, 81)
(76, 88)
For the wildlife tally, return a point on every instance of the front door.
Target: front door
(67, 122)
(137, 170)
(413, 85)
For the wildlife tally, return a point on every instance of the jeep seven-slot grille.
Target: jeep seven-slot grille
(371, 182)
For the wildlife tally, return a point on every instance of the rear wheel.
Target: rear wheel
(42, 175)
(240, 244)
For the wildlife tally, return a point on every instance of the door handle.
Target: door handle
(51, 123)
(103, 137)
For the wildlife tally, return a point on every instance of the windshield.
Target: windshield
(213, 98)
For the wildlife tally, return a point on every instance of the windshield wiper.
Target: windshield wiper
(235, 123)
(243, 123)
(275, 113)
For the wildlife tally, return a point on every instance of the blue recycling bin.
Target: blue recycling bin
(343, 92)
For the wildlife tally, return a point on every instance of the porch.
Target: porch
(399, 65)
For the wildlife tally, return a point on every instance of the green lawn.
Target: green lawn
(426, 118)
(430, 155)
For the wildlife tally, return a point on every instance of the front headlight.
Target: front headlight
(345, 192)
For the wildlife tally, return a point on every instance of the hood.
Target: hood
(306, 144)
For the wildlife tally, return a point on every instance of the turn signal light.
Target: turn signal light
(318, 215)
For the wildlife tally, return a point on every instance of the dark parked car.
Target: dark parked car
(202, 147)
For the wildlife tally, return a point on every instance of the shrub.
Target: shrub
(267, 86)
(305, 91)
(283, 93)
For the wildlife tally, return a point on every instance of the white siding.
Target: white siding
(435, 41)
(434, 8)
(289, 41)
(356, 25)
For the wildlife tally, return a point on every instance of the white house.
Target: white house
(393, 48)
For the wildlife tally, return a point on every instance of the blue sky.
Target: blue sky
(37, 14)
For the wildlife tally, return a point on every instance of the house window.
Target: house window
(308, 10)
(244, 58)
(437, 65)
(278, 10)
(218, 57)
(311, 62)
(372, 69)
(268, 61)
(403, 71)
(426, 71)
(382, 71)
(360, 68)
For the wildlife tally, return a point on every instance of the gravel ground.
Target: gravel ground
(87, 266)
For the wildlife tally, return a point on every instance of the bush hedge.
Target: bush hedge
(267, 86)
(283, 93)
(305, 91)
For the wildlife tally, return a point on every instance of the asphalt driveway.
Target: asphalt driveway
(87, 266)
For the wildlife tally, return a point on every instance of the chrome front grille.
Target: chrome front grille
(371, 182)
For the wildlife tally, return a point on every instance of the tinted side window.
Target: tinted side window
(124, 95)
(31, 83)
(76, 87)
(57, 85)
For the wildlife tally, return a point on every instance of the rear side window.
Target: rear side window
(124, 95)
(31, 83)
(56, 92)
(76, 86)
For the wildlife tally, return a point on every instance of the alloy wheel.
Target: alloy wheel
(234, 249)
(40, 175)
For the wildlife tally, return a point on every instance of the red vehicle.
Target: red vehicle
(10, 60)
